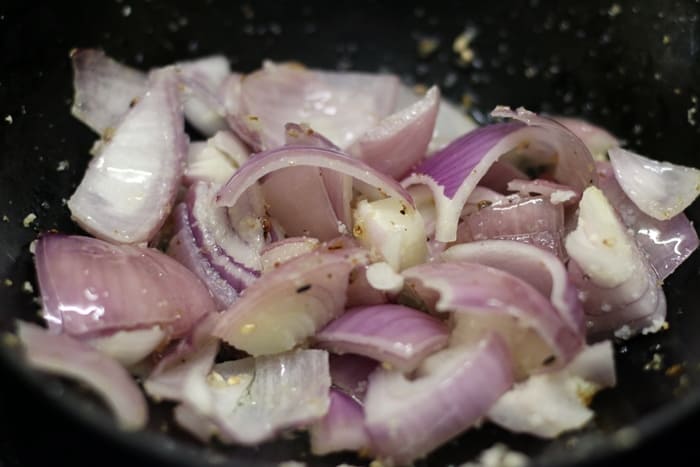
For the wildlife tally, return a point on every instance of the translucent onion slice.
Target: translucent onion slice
(61, 355)
(452, 173)
(104, 89)
(129, 187)
(291, 303)
(619, 289)
(532, 220)
(268, 162)
(400, 140)
(278, 253)
(484, 299)
(203, 79)
(253, 399)
(541, 269)
(596, 139)
(395, 335)
(130, 347)
(459, 383)
(342, 106)
(92, 288)
(184, 248)
(341, 429)
(550, 404)
(665, 243)
(660, 189)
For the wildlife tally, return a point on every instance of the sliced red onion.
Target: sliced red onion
(383, 277)
(63, 356)
(532, 220)
(450, 124)
(104, 89)
(544, 271)
(393, 229)
(92, 288)
(280, 252)
(203, 79)
(342, 106)
(298, 200)
(596, 139)
(350, 374)
(400, 140)
(453, 172)
(554, 192)
(129, 188)
(301, 134)
(341, 429)
(550, 404)
(667, 243)
(184, 248)
(361, 292)
(130, 347)
(291, 303)
(237, 261)
(393, 334)
(265, 163)
(618, 286)
(450, 392)
(215, 160)
(575, 166)
(480, 198)
(499, 175)
(488, 299)
(251, 400)
(660, 189)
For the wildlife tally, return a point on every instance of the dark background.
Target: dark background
(633, 67)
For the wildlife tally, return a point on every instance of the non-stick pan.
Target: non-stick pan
(633, 67)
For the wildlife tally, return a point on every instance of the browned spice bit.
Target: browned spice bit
(266, 225)
(133, 102)
(303, 288)
(108, 134)
(329, 276)
(549, 360)
(357, 230)
(675, 370)
(484, 203)
(253, 118)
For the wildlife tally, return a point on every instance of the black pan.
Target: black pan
(633, 67)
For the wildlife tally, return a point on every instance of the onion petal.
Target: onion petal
(393, 334)
(91, 288)
(659, 189)
(129, 187)
(64, 356)
(341, 429)
(459, 384)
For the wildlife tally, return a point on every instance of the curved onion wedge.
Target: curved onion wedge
(129, 187)
(249, 401)
(453, 172)
(618, 286)
(64, 356)
(290, 303)
(596, 139)
(278, 253)
(541, 269)
(341, 429)
(660, 189)
(487, 299)
(666, 243)
(400, 140)
(91, 288)
(550, 404)
(393, 334)
(341, 106)
(203, 79)
(104, 89)
(130, 347)
(450, 392)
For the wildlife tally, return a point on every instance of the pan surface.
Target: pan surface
(632, 67)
